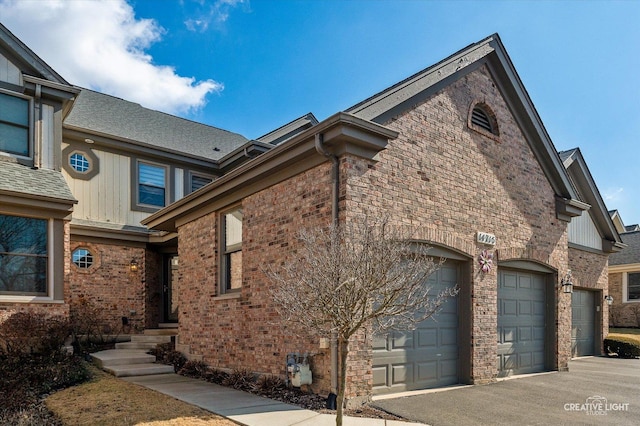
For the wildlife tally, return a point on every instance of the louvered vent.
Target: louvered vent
(480, 119)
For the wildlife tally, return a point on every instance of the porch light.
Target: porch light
(133, 266)
(609, 300)
(567, 285)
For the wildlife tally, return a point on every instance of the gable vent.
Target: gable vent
(481, 119)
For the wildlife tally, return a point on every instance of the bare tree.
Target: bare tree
(359, 275)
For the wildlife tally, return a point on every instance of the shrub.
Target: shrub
(624, 347)
(90, 332)
(241, 379)
(195, 369)
(166, 354)
(267, 385)
(31, 332)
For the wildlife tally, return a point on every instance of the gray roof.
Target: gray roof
(21, 179)
(631, 253)
(109, 116)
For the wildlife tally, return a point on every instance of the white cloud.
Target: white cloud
(216, 12)
(101, 45)
(612, 194)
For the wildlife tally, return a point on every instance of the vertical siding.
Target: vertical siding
(179, 186)
(9, 72)
(583, 231)
(107, 196)
(48, 138)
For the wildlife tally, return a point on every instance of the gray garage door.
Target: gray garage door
(521, 322)
(583, 323)
(426, 357)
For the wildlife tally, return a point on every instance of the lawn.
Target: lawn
(106, 400)
(632, 333)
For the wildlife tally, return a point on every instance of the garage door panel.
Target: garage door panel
(380, 375)
(380, 342)
(509, 307)
(427, 356)
(402, 340)
(402, 373)
(521, 334)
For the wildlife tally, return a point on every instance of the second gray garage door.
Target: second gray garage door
(426, 357)
(521, 322)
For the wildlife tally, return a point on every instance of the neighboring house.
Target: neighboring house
(624, 277)
(35, 200)
(457, 156)
(79, 170)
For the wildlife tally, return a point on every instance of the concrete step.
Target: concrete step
(136, 345)
(138, 369)
(113, 357)
(161, 332)
(146, 338)
(168, 325)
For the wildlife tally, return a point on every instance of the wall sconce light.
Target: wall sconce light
(133, 266)
(609, 300)
(567, 285)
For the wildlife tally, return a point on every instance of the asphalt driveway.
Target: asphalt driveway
(594, 391)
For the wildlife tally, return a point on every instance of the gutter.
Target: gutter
(335, 214)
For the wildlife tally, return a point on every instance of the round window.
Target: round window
(82, 258)
(79, 162)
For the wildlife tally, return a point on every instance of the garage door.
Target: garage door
(426, 357)
(583, 324)
(521, 322)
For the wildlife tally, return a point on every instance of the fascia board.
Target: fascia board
(30, 204)
(134, 147)
(628, 267)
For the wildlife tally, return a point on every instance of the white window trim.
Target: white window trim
(50, 276)
(625, 287)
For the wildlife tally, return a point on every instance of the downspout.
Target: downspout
(335, 214)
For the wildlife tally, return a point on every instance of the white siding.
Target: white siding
(179, 184)
(583, 231)
(107, 196)
(9, 72)
(48, 139)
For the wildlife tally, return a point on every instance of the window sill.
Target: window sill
(29, 299)
(233, 295)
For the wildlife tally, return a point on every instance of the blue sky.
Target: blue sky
(251, 66)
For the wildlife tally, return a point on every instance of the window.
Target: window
(151, 185)
(633, 286)
(82, 258)
(23, 256)
(14, 125)
(232, 251)
(79, 162)
(198, 182)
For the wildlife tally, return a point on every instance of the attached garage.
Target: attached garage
(521, 322)
(426, 357)
(583, 323)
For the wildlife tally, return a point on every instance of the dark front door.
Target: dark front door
(170, 288)
(583, 323)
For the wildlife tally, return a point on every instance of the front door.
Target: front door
(170, 288)
(583, 320)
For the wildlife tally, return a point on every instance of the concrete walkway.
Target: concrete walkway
(242, 407)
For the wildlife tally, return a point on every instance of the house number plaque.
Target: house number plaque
(484, 238)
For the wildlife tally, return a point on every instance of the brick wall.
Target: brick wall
(590, 271)
(242, 330)
(444, 182)
(621, 314)
(110, 285)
